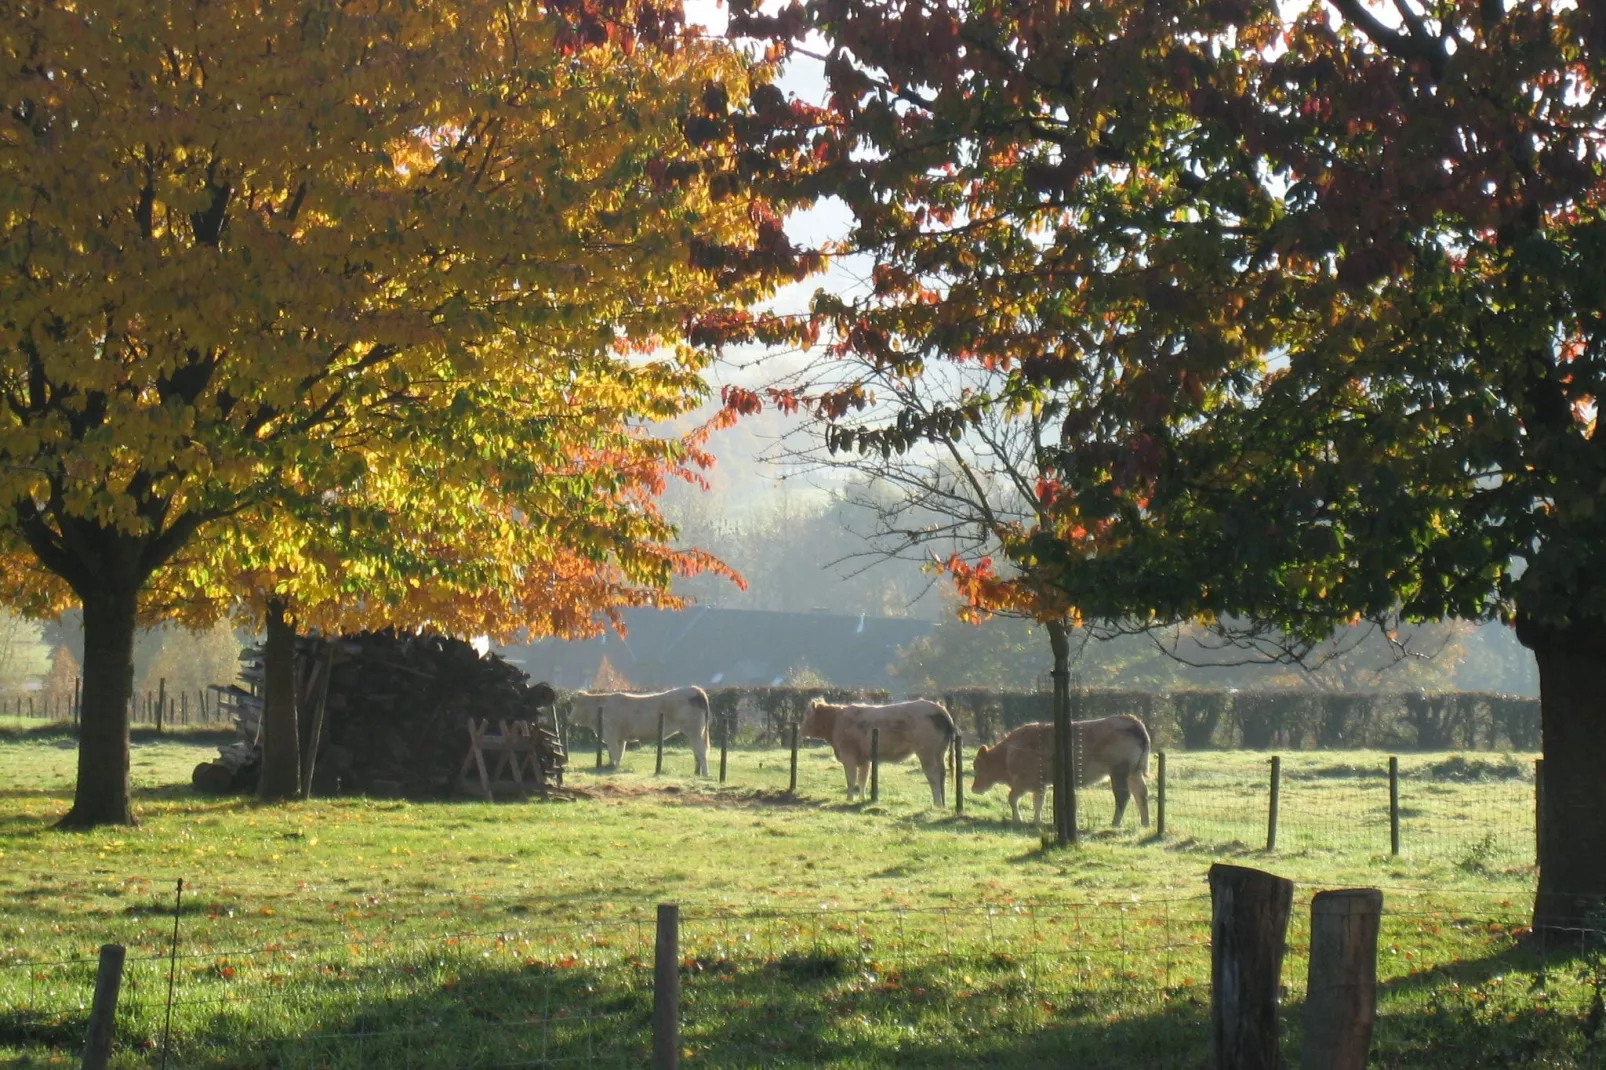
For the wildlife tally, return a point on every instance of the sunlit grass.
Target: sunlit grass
(373, 932)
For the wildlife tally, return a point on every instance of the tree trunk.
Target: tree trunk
(281, 736)
(1572, 874)
(1064, 761)
(102, 793)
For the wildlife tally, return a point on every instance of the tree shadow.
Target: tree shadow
(812, 1008)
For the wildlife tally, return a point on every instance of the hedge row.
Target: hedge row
(1261, 720)
(1196, 720)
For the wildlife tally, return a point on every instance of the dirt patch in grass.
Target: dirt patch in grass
(741, 798)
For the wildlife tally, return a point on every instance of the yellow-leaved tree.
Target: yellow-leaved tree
(294, 291)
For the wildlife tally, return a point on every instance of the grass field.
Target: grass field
(384, 933)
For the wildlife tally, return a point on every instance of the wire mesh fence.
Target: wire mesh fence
(1096, 982)
(1476, 810)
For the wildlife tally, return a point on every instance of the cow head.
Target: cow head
(819, 720)
(989, 766)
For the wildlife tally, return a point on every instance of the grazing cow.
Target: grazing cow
(1116, 747)
(628, 717)
(917, 727)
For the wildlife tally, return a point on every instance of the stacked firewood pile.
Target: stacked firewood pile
(391, 719)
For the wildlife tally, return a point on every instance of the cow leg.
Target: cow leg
(937, 777)
(1118, 777)
(1037, 807)
(616, 751)
(699, 749)
(1140, 791)
(851, 771)
(862, 778)
(1014, 804)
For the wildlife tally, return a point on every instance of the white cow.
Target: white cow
(919, 727)
(628, 717)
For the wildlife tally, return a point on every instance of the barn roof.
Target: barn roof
(729, 647)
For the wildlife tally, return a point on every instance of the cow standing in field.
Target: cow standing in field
(1115, 747)
(628, 717)
(919, 727)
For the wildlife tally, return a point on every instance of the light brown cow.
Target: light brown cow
(1116, 747)
(629, 717)
(919, 727)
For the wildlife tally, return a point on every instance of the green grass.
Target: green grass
(814, 933)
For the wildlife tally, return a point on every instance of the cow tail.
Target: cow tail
(700, 698)
(1143, 757)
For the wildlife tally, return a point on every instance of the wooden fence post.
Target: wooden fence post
(959, 774)
(1248, 932)
(1341, 989)
(1394, 805)
(666, 990)
(103, 1012)
(658, 763)
(161, 701)
(791, 787)
(1539, 812)
(1271, 811)
(1159, 808)
(875, 765)
(724, 743)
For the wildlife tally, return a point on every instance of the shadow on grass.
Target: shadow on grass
(805, 1008)
(822, 1005)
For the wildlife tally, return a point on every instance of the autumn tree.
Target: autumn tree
(240, 239)
(1335, 271)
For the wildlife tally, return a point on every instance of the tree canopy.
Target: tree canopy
(388, 284)
(1326, 284)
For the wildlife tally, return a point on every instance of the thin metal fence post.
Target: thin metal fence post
(103, 1012)
(1271, 811)
(1394, 805)
(1159, 814)
(599, 737)
(666, 989)
(875, 765)
(658, 764)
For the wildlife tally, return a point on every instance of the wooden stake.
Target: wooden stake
(666, 990)
(791, 787)
(875, 765)
(325, 667)
(1539, 812)
(1341, 989)
(959, 774)
(1159, 808)
(724, 743)
(1248, 932)
(658, 765)
(1394, 805)
(103, 1012)
(1271, 811)
(161, 701)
